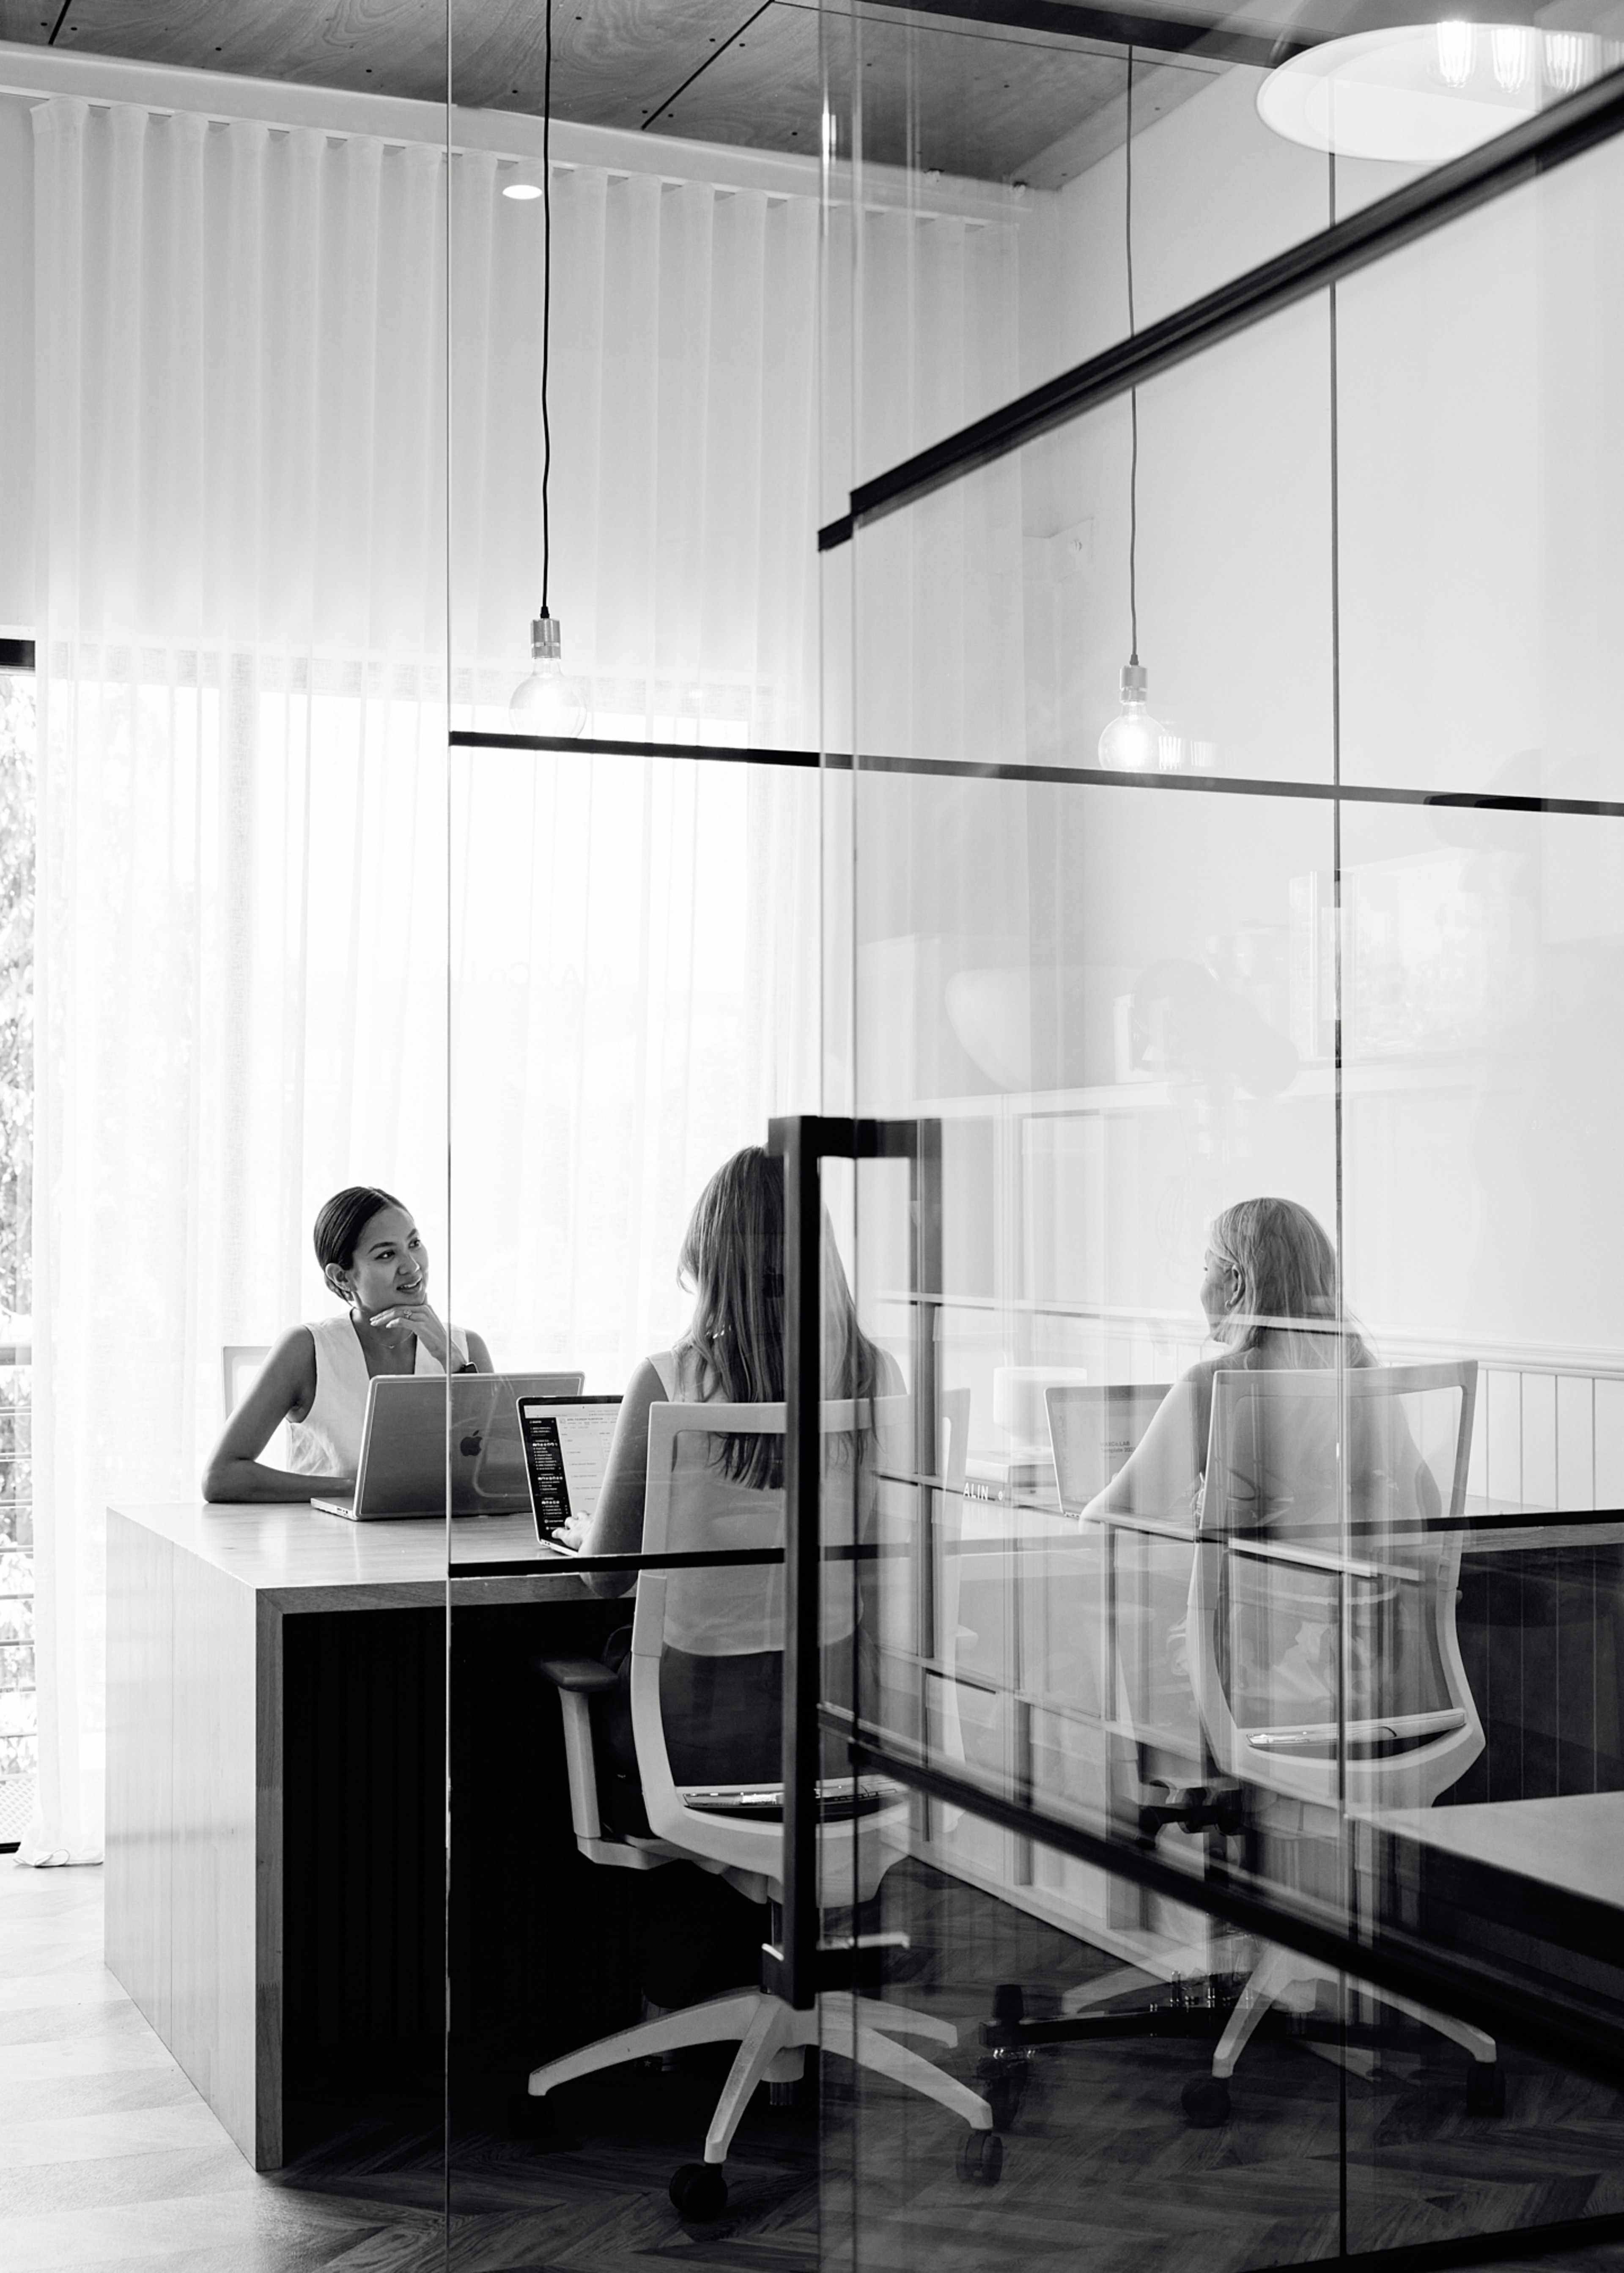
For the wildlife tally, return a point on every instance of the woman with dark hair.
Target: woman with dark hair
(372, 1258)
(1269, 1290)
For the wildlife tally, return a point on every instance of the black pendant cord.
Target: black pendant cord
(1133, 393)
(546, 303)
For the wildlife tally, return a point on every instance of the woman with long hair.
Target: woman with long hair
(733, 1350)
(721, 1707)
(1269, 1289)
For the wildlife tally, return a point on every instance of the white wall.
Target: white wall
(16, 365)
(1479, 477)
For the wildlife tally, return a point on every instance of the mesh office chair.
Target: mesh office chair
(1323, 1652)
(1325, 1675)
(701, 1810)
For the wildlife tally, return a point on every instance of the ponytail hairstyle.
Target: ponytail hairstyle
(341, 1220)
(732, 1252)
(1287, 1301)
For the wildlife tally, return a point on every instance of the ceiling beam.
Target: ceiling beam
(1123, 27)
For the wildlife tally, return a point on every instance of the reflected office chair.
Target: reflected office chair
(733, 1826)
(1291, 1610)
(1288, 1604)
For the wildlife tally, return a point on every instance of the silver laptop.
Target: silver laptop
(567, 1442)
(407, 1453)
(1093, 1430)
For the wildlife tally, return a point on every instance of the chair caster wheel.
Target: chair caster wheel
(524, 2115)
(1004, 2088)
(981, 2158)
(1486, 2088)
(1206, 2102)
(698, 2191)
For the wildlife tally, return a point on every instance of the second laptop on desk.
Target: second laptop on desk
(567, 1443)
(1093, 1430)
(411, 1448)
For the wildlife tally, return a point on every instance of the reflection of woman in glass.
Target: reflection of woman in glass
(373, 1259)
(1269, 1292)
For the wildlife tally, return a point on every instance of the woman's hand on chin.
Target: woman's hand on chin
(423, 1323)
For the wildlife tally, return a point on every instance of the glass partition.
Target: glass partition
(1011, 1771)
(1236, 1657)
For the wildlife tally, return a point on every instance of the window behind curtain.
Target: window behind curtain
(18, 1741)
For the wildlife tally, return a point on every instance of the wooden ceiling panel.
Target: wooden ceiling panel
(951, 94)
(379, 47)
(953, 101)
(763, 91)
(26, 21)
(614, 61)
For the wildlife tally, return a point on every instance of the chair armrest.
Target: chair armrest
(1313, 1558)
(586, 1676)
(1395, 1727)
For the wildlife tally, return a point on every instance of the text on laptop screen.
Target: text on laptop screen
(567, 1448)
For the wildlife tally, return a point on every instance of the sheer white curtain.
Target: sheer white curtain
(240, 918)
(635, 973)
(253, 845)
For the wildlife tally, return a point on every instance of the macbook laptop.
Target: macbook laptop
(406, 1447)
(1093, 1430)
(567, 1443)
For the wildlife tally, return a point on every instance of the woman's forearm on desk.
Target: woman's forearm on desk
(616, 1527)
(241, 1484)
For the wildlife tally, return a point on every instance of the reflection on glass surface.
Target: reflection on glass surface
(1477, 562)
(1253, 1656)
(1479, 951)
(1252, 1393)
(993, 620)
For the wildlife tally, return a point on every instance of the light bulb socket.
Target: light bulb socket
(1135, 682)
(546, 638)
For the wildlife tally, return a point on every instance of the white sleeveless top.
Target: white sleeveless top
(327, 1441)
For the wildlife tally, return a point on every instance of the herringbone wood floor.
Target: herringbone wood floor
(109, 2159)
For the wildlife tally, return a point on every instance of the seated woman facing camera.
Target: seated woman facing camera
(1269, 1292)
(373, 1259)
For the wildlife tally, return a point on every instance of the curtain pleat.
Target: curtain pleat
(248, 832)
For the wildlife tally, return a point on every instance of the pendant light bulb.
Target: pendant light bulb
(547, 703)
(1132, 744)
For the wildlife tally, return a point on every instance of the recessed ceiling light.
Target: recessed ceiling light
(522, 190)
(1427, 93)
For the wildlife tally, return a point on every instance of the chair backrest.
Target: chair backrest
(239, 1362)
(1322, 1639)
(692, 1623)
(953, 1405)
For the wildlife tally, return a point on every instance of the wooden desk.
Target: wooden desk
(198, 1598)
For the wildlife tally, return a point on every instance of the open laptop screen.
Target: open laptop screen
(1092, 1431)
(567, 1443)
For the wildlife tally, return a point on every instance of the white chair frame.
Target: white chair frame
(852, 1857)
(1452, 1735)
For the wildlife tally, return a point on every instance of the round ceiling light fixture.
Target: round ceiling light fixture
(1427, 93)
(524, 190)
